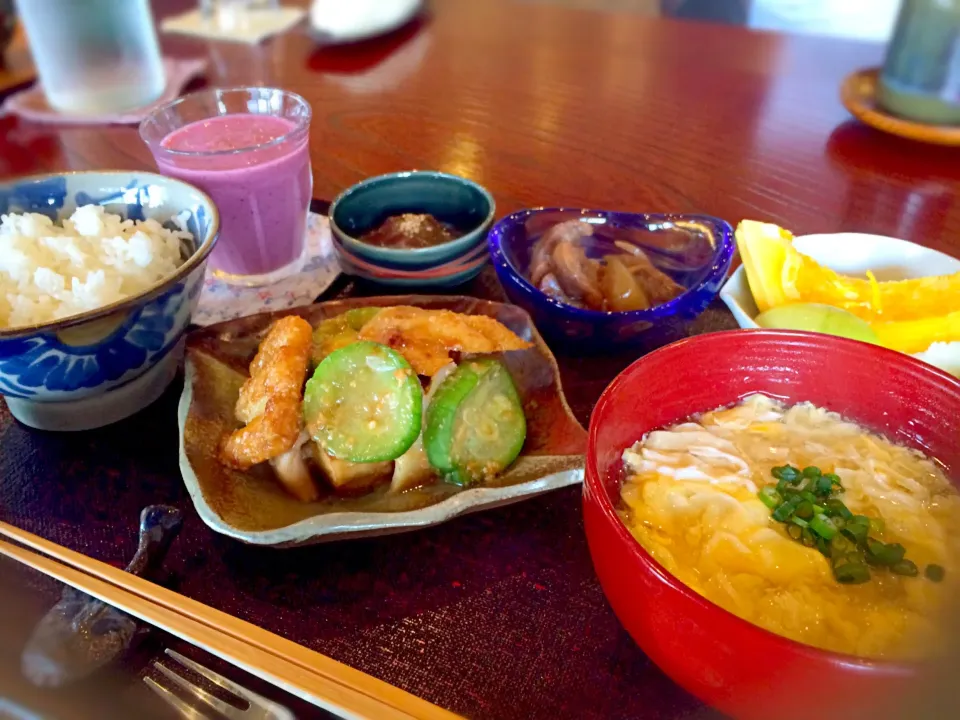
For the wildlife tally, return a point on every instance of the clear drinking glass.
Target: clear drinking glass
(248, 148)
(232, 14)
(94, 56)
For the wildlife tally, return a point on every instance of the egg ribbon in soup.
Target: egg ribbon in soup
(693, 500)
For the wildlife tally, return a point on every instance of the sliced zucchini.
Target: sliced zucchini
(475, 426)
(340, 331)
(364, 404)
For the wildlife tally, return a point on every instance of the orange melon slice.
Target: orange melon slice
(779, 274)
(914, 336)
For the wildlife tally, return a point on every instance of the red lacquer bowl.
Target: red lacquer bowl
(727, 662)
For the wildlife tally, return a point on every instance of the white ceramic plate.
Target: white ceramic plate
(853, 254)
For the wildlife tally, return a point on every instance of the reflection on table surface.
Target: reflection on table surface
(853, 19)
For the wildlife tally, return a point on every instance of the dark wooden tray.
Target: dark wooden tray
(493, 615)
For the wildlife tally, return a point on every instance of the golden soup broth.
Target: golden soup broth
(691, 501)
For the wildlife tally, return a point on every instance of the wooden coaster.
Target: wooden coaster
(858, 93)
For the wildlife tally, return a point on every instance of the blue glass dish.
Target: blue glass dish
(695, 250)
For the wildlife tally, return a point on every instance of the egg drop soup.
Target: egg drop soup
(801, 522)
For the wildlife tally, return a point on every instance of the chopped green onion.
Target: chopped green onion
(896, 549)
(841, 546)
(876, 553)
(934, 572)
(836, 508)
(905, 567)
(786, 472)
(857, 529)
(770, 497)
(823, 526)
(822, 486)
(848, 559)
(823, 546)
(852, 573)
(784, 512)
(804, 501)
(879, 553)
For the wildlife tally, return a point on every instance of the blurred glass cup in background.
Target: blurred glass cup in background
(234, 14)
(94, 56)
(248, 148)
(920, 79)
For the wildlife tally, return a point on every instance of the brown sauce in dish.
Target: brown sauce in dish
(410, 231)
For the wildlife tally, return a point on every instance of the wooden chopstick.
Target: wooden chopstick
(297, 669)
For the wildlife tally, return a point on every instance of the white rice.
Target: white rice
(53, 270)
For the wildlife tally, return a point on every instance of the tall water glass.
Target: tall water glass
(94, 56)
(248, 148)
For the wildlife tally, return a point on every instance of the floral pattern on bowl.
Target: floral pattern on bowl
(48, 371)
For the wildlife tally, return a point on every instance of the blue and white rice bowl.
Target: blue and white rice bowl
(103, 365)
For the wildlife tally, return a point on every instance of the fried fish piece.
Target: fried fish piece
(427, 337)
(270, 400)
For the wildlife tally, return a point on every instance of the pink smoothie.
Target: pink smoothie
(263, 193)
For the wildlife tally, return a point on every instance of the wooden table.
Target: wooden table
(544, 106)
(549, 105)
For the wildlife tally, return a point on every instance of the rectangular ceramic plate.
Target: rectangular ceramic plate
(252, 507)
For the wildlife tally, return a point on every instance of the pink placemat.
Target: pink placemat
(221, 301)
(31, 103)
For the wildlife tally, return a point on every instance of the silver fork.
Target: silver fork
(259, 707)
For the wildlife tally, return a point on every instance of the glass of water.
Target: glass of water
(94, 56)
(234, 14)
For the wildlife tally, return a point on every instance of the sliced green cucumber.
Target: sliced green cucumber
(442, 415)
(340, 331)
(475, 425)
(364, 403)
(358, 317)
